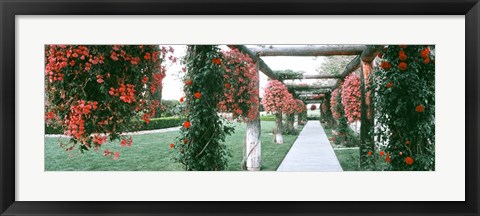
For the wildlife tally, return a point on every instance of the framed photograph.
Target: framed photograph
(240, 107)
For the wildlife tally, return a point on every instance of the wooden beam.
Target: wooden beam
(326, 50)
(320, 91)
(262, 66)
(307, 87)
(352, 66)
(316, 76)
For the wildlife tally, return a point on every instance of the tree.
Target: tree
(95, 92)
(334, 65)
(278, 100)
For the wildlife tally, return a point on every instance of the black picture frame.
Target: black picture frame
(9, 9)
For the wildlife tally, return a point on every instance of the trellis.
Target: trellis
(365, 54)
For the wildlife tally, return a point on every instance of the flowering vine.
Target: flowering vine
(99, 91)
(405, 106)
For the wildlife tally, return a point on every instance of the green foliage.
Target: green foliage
(169, 108)
(289, 74)
(405, 106)
(200, 145)
(267, 118)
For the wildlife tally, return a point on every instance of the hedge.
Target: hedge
(155, 123)
(267, 118)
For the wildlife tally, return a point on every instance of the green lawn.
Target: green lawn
(151, 152)
(349, 159)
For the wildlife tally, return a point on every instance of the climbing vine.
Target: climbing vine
(96, 92)
(405, 107)
(200, 145)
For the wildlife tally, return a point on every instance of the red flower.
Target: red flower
(185, 141)
(388, 159)
(402, 56)
(407, 142)
(227, 85)
(188, 82)
(198, 95)
(50, 115)
(382, 153)
(424, 53)
(146, 118)
(172, 145)
(106, 152)
(386, 65)
(409, 161)
(181, 100)
(72, 63)
(123, 143)
(402, 66)
(99, 78)
(147, 56)
(216, 61)
(389, 85)
(116, 155)
(369, 153)
(99, 139)
(419, 108)
(186, 124)
(380, 55)
(426, 60)
(145, 80)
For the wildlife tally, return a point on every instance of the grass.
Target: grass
(151, 152)
(349, 159)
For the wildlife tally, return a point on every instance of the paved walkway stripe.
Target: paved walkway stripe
(311, 152)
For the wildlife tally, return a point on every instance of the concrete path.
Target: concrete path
(311, 152)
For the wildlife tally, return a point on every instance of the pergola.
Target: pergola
(313, 93)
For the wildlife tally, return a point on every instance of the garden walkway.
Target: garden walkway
(311, 152)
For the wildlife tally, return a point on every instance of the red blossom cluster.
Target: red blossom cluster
(126, 142)
(300, 106)
(351, 97)
(333, 103)
(240, 95)
(277, 99)
(99, 74)
(75, 121)
(425, 54)
(126, 92)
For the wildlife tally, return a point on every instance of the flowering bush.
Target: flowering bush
(240, 92)
(351, 97)
(405, 107)
(335, 104)
(277, 99)
(300, 106)
(95, 91)
(200, 145)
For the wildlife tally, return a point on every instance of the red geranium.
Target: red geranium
(172, 145)
(186, 124)
(402, 66)
(409, 161)
(419, 108)
(386, 65)
(389, 85)
(198, 95)
(188, 82)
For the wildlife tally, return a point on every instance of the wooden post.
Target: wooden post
(366, 136)
(252, 157)
(295, 123)
(278, 138)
